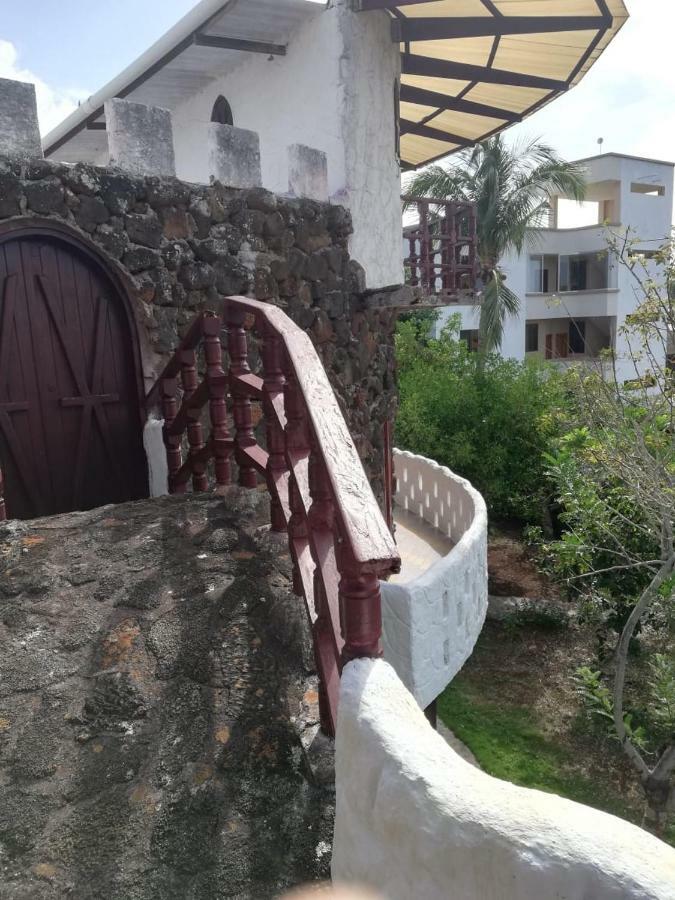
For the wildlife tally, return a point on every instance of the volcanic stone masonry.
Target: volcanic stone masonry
(183, 247)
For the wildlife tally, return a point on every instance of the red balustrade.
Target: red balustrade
(186, 418)
(442, 247)
(320, 496)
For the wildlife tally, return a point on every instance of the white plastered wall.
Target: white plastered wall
(369, 68)
(286, 100)
(415, 820)
(431, 624)
(333, 91)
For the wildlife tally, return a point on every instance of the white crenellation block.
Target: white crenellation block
(307, 173)
(234, 156)
(19, 129)
(140, 138)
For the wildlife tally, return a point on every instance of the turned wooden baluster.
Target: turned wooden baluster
(321, 522)
(3, 508)
(360, 608)
(297, 448)
(242, 414)
(172, 442)
(195, 432)
(473, 253)
(413, 260)
(425, 245)
(217, 385)
(447, 249)
(273, 388)
(451, 219)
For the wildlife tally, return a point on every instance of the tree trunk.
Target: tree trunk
(660, 795)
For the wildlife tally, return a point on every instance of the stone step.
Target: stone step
(154, 679)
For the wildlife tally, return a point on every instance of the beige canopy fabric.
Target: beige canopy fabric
(473, 67)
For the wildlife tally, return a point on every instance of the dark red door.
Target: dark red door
(70, 417)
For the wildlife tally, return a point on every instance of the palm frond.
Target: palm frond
(510, 186)
(497, 302)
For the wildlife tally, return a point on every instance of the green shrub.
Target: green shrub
(487, 418)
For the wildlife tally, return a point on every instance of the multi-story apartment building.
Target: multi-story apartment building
(575, 295)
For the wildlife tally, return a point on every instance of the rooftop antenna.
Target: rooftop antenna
(601, 141)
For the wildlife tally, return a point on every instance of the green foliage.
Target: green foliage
(614, 474)
(423, 321)
(603, 522)
(489, 420)
(661, 703)
(509, 743)
(598, 703)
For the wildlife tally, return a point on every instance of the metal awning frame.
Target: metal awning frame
(497, 25)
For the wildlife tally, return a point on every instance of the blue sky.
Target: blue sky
(71, 48)
(82, 44)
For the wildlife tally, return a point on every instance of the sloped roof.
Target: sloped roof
(472, 67)
(207, 42)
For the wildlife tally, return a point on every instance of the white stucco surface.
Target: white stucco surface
(140, 138)
(234, 156)
(369, 68)
(19, 127)
(307, 173)
(432, 623)
(155, 452)
(414, 820)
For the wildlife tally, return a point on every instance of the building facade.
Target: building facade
(296, 73)
(575, 295)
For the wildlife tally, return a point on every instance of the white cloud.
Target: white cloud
(54, 104)
(628, 98)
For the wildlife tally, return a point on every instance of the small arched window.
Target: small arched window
(222, 112)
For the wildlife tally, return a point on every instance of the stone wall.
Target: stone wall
(413, 819)
(183, 247)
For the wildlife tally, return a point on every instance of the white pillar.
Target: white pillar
(19, 129)
(140, 138)
(234, 156)
(307, 173)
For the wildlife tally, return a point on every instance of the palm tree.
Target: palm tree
(511, 187)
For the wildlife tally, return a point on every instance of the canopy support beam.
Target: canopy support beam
(422, 130)
(224, 43)
(412, 64)
(368, 5)
(438, 29)
(422, 97)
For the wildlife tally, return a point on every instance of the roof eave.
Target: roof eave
(195, 20)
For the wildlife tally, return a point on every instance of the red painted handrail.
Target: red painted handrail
(320, 495)
(443, 246)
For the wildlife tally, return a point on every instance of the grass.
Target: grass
(508, 743)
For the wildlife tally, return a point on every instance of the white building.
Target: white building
(374, 87)
(575, 296)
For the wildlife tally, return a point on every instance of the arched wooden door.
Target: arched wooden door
(70, 397)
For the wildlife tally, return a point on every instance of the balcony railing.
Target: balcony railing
(320, 496)
(442, 253)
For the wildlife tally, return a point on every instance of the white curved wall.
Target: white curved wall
(431, 624)
(414, 820)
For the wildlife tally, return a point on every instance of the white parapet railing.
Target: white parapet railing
(432, 623)
(414, 820)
